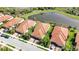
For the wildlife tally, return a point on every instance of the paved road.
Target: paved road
(8, 46)
(29, 46)
(20, 45)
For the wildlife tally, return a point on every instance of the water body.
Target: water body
(56, 18)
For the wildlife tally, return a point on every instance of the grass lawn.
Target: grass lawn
(1, 26)
(69, 15)
(46, 40)
(5, 49)
(11, 31)
(69, 43)
(40, 11)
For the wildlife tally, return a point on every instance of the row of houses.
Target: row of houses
(5, 17)
(59, 34)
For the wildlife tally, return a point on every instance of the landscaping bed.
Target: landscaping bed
(4, 48)
(1, 25)
(46, 40)
(70, 41)
(11, 31)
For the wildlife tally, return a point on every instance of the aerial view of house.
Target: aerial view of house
(5, 17)
(39, 29)
(59, 35)
(25, 25)
(12, 22)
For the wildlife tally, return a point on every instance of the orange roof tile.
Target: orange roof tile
(77, 37)
(5, 17)
(59, 35)
(40, 29)
(77, 41)
(23, 27)
(1, 19)
(8, 17)
(12, 22)
(77, 46)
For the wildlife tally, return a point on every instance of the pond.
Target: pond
(56, 18)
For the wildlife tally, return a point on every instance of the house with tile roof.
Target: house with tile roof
(77, 41)
(25, 25)
(8, 17)
(13, 22)
(5, 17)
(59, 35)
(40, 30)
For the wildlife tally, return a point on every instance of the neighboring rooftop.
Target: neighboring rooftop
(23, 27)
(5, 17)
(40, 29)
(12, 22)
(8, 17)
(77, 41)
(59, 35)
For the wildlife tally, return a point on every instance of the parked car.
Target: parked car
(5, 36)
(5, 30)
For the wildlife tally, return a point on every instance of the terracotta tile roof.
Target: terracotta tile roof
(23, 27)
(8, 17)
(77, 46)
(59, 35)
(12, 22)
(5, 17)
(1, 19)
(77, 41)
(77, 37)
(40, 29)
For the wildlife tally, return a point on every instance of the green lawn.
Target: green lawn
(11, 31)
(69, 15)
(5, 49)
(46, 40)
(71, 39)
(1, 26)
